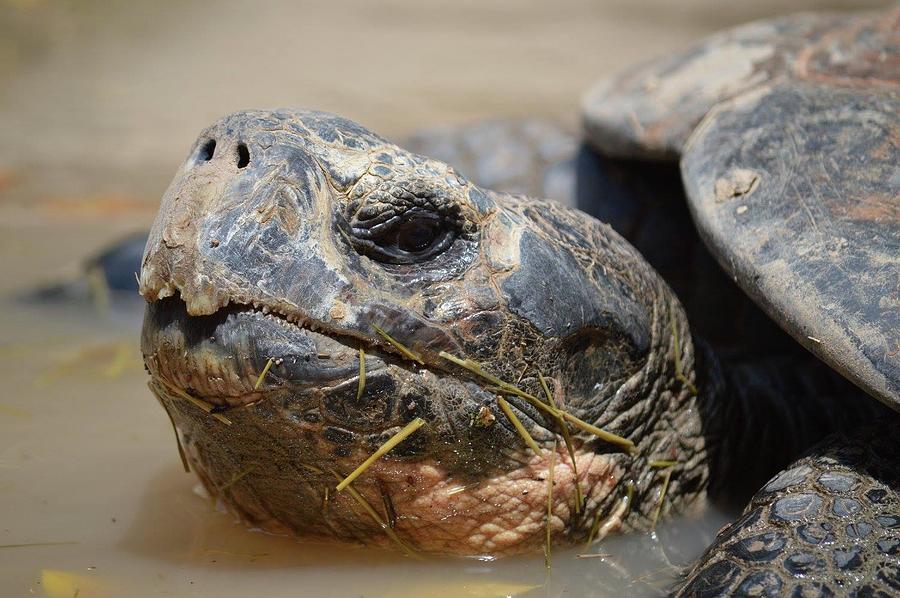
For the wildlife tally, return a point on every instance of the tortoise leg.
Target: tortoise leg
(827, 525)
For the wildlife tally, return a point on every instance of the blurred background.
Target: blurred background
(99, 103)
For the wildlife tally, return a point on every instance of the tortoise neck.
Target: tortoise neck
(761, 413)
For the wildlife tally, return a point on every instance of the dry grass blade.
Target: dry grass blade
(599, 531)
(362, 374)
(579, 499)
(382, 450)
(215, 416)
(36, 544)
(593, 533)
(262, 374)
(679, 374)
(501, 387)
(14, 411)
(408, 353)
(311, 468)
(199, 403)
(509, 389)
(458, 489)
(517, 424)
(237, 478)
(120, 362)
(181, 453)
(389, 510)
(121, 356)
(377, 519)
(547, 562)
(662, 497)
(475, 368)
(601, 434)
(662, 463)
(593, 555)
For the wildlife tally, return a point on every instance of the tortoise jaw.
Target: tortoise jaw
(220, 358)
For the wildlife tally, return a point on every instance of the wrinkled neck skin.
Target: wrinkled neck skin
(291, 257)
(761, 413)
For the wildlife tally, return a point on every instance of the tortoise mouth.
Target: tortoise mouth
(241, 353)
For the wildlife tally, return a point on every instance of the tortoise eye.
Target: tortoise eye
(414, 237)
(417, 234)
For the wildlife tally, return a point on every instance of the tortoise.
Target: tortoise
(313, 288)
(108, 275)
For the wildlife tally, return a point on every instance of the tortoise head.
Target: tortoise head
(311, 283)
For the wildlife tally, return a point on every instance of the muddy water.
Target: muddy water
(93, 495)
(97, 107)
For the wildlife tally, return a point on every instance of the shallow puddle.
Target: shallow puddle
(94, 498)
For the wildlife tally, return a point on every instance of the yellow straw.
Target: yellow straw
(362, 374)
(399, 346)
(549, 506)
(382, 450)
(518, 426)
(568, 440)
(262, 374)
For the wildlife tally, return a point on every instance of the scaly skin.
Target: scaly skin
(290, 252)
(828, 525)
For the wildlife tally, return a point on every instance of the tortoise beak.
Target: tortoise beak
(220, 358)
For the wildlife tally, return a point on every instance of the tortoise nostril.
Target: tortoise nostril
(207, 151)
(243, 155)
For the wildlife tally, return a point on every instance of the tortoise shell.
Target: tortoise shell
(787, 132)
